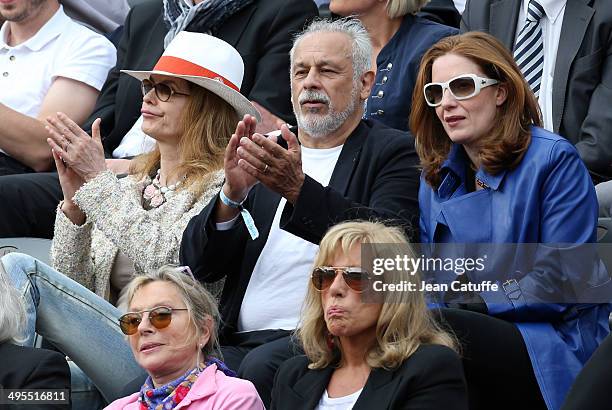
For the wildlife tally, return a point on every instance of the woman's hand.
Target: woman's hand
(70, 182)
(81, 153)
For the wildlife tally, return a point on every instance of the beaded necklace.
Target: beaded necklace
(156, 194)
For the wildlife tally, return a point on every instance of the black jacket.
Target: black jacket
(376, 177)
(431, 379)
(28, 368)
(582, 86)
(261, 33)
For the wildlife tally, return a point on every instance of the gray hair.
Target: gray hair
(399, 8)
(201, 305)
(360, 39)
(12, 312)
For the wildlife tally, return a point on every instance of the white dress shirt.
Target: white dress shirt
(551, 32)
(459, 5)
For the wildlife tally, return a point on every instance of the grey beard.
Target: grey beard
(319, 126)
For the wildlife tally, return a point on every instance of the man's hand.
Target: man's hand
(277, 168)
(238, 183)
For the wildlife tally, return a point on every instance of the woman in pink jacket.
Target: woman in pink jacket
(172, 330)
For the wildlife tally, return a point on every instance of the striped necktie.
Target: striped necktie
(529, 48)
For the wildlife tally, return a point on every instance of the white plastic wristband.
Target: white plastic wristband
(246, 215)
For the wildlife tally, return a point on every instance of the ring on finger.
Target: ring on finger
(265, 169)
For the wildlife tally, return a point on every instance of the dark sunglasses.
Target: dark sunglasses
(355, 278)
(163, 91)
(462, 87)
(160, 317)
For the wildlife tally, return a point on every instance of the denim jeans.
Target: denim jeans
(78, 322)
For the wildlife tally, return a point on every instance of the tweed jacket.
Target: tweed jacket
(116, 220)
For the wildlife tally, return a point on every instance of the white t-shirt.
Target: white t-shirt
(61, 48)
(277, 288)
(338, 403)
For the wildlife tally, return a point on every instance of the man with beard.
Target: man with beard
(261, 232)
(48, 63)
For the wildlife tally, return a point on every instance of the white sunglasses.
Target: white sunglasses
(461, 87)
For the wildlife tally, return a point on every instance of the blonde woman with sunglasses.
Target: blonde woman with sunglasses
(172, 328)
(492, 175)
(109, 229)
(367, 349)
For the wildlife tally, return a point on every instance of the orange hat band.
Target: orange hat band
(179, 66)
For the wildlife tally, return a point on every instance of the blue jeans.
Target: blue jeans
(78, 322)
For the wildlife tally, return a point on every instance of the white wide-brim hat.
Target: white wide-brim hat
(208, 62)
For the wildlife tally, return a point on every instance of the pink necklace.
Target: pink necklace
(156, 194)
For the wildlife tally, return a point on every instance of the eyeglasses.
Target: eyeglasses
(462, 87)
(163, 91)
(160, 317)
(323, 276)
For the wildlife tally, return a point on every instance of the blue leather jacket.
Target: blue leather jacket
(548, 198)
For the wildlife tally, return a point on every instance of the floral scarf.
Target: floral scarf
(168, 396)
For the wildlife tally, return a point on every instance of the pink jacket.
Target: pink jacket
(213, 390)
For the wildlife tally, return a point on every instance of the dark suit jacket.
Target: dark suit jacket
(28, 368)
(261, 33)
(582, 86)
(431, 379)
(376, 176)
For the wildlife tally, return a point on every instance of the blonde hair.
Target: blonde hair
(506, 143)
(404, 322)
(399, 8)
(208, 121)
(201, 305)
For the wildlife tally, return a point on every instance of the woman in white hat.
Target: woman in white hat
(109, 228)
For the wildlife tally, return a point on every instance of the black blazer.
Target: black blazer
(28, 368)
(260, 32)
(582, 86)
(431, 379)
(376, 177)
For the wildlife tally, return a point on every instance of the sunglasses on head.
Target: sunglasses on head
(462, 87)
(160, 317)
(322, 277)
(163, 91)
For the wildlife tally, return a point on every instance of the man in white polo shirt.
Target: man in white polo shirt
(48, 63)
